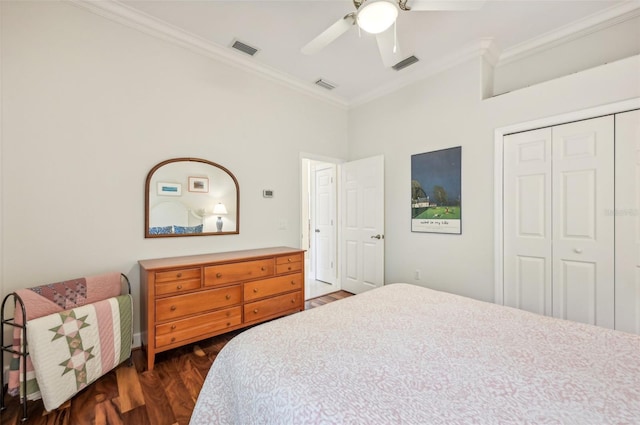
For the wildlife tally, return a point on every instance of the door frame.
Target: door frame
(304, 224)
(499, 133)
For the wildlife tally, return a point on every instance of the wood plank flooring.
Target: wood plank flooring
(133, 396)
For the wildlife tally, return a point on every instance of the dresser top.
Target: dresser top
(196, 260)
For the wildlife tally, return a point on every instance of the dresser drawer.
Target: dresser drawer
(268, 287)
(237, 272)
(288, 267)
(180, 274)
(177, 286)
(185, 329)
(272, 306)
(184, 305)
(293, 258)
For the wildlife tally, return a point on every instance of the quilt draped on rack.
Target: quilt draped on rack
(53, 298)
(73, 348)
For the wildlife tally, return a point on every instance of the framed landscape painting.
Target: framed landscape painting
(436, 186)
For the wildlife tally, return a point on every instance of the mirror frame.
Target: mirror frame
(172, 235)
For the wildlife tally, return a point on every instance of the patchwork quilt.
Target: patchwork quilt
(72, 348)
(47, 299)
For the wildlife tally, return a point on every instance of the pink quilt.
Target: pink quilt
(52, 298)
(411, 355)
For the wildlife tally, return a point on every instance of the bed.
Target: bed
(173, 218)
(407, 354)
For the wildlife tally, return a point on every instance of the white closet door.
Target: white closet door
(527, 221)
(627, 215)
(583, 231)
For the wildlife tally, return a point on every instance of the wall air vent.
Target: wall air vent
(325, 84)
(405, 63)
(244, 48)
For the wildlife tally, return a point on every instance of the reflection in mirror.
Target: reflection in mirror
(191, 197)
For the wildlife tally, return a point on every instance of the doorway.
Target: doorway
(320, 224)
(342, 224)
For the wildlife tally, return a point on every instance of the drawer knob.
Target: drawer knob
(228, 313)
(263, 268)
(293, 282)
(173, 308)
(179, 286)
(289, 268)
(289, 259)
(255, 290)
(173, 327)
(255, 310)
(228, 323)
(173, 339)
(218, 275)
(293, 301)
(228, 296)
(179, 275)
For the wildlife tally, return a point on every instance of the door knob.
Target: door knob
(376, 237)
(317, 230)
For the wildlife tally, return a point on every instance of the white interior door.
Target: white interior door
(527, 221)
(583, 232)
(627, 216)
(362, 228)
(324, 218)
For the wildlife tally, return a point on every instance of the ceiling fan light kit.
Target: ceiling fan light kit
(376, 16)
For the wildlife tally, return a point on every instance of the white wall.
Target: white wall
(609, 44)
(447, 111)
(90, 106)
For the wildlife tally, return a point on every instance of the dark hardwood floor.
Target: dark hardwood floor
(133, 396)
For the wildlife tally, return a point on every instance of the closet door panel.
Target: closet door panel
(583, 232)
(577, 286)
(527, 221)
(627, 215)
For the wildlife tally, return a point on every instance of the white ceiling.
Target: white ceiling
(280, 28)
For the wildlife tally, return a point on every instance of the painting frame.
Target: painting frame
(436, 191)
(169, 189)
(199, 184)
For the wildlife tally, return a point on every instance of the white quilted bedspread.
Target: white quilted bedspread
(404, 354)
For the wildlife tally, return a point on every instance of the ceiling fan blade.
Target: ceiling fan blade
(418, 5)
(387, 40)
(328, 35)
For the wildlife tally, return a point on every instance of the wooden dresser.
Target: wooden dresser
(187, 299)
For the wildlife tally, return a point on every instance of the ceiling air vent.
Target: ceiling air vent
(325, 84)
(244, 48)
(405, 63)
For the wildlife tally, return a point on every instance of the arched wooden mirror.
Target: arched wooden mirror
(191, 197)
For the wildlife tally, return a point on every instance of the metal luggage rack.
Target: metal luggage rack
(20, 308)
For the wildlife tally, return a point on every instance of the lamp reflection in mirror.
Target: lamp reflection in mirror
(219, 210)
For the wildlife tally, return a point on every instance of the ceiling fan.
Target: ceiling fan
(377, 17)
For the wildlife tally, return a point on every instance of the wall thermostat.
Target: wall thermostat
(267, 193)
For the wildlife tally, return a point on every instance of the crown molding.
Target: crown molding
(125, 15)
(593, 23)
(485, 48)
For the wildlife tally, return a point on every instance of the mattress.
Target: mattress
(411, 355)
